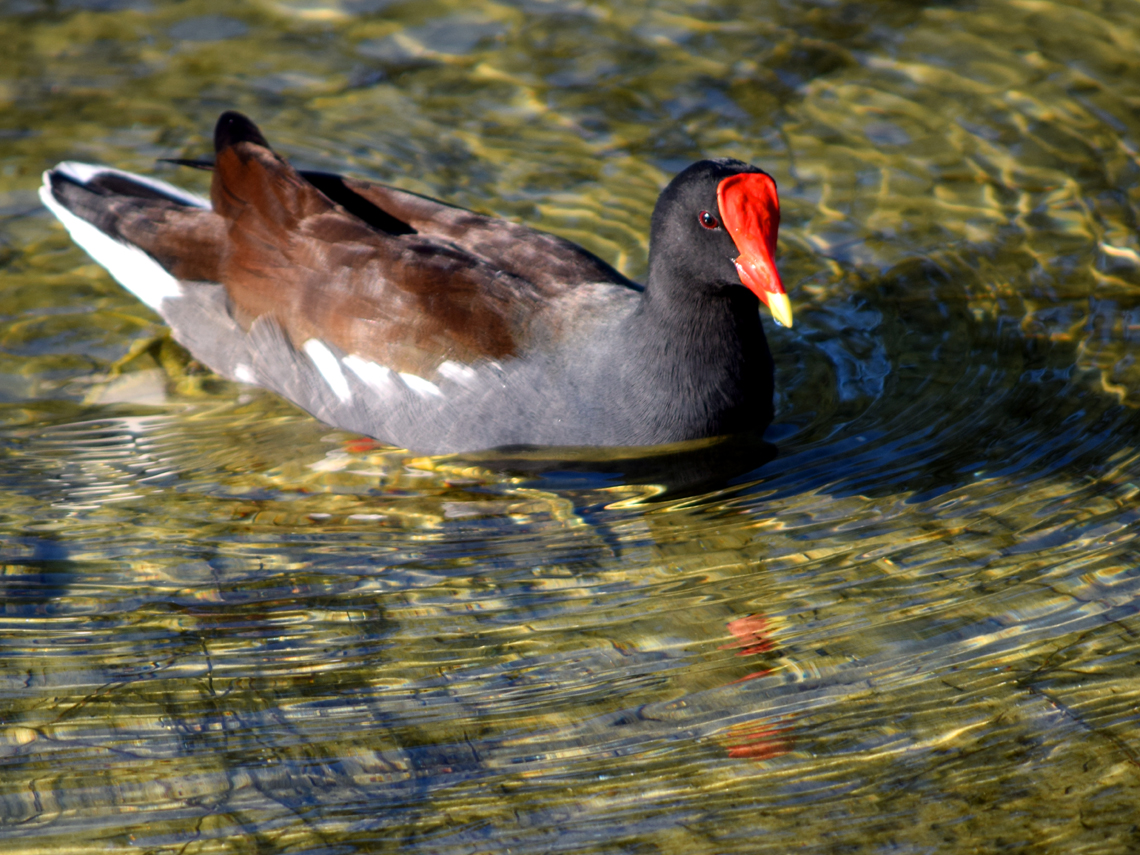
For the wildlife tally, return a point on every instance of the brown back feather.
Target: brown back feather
(407, 301)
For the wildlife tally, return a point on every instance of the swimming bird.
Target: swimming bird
(438, 329)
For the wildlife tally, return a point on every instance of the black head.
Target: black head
(713, 229)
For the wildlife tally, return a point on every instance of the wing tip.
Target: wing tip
(234, 128)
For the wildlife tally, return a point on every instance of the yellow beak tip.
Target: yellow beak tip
(781, 308)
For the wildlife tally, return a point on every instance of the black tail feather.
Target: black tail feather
(107, 198)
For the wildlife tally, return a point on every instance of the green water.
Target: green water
(227, 628)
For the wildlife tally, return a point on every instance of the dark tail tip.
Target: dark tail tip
(233, 128)
(206, 163)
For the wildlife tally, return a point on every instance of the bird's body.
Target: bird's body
(434, 328)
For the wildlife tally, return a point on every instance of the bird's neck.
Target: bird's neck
(704, 356)
(719, 326)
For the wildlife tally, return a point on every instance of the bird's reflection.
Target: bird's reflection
(761, 738)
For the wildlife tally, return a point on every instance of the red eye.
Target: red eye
(708, 220)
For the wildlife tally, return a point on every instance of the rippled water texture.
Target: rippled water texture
(226, 628)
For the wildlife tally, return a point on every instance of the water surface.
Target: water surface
(226, 627)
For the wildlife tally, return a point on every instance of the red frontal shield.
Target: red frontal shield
(750, 210)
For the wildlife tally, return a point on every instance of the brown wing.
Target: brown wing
(394, 277)
(406, 301)
(552, 263)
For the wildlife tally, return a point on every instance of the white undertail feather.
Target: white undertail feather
(130, 266)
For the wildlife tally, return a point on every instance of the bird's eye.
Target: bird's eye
(708, 220)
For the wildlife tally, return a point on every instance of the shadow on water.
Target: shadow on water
(672, 472)
(37, 572)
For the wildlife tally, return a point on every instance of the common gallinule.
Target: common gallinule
(434, 328)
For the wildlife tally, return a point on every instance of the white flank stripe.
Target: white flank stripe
(132, 268)
(456, 372)
(84, 172)
(329, 366)
(245, 374)
(377, 376)
(420, 385)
